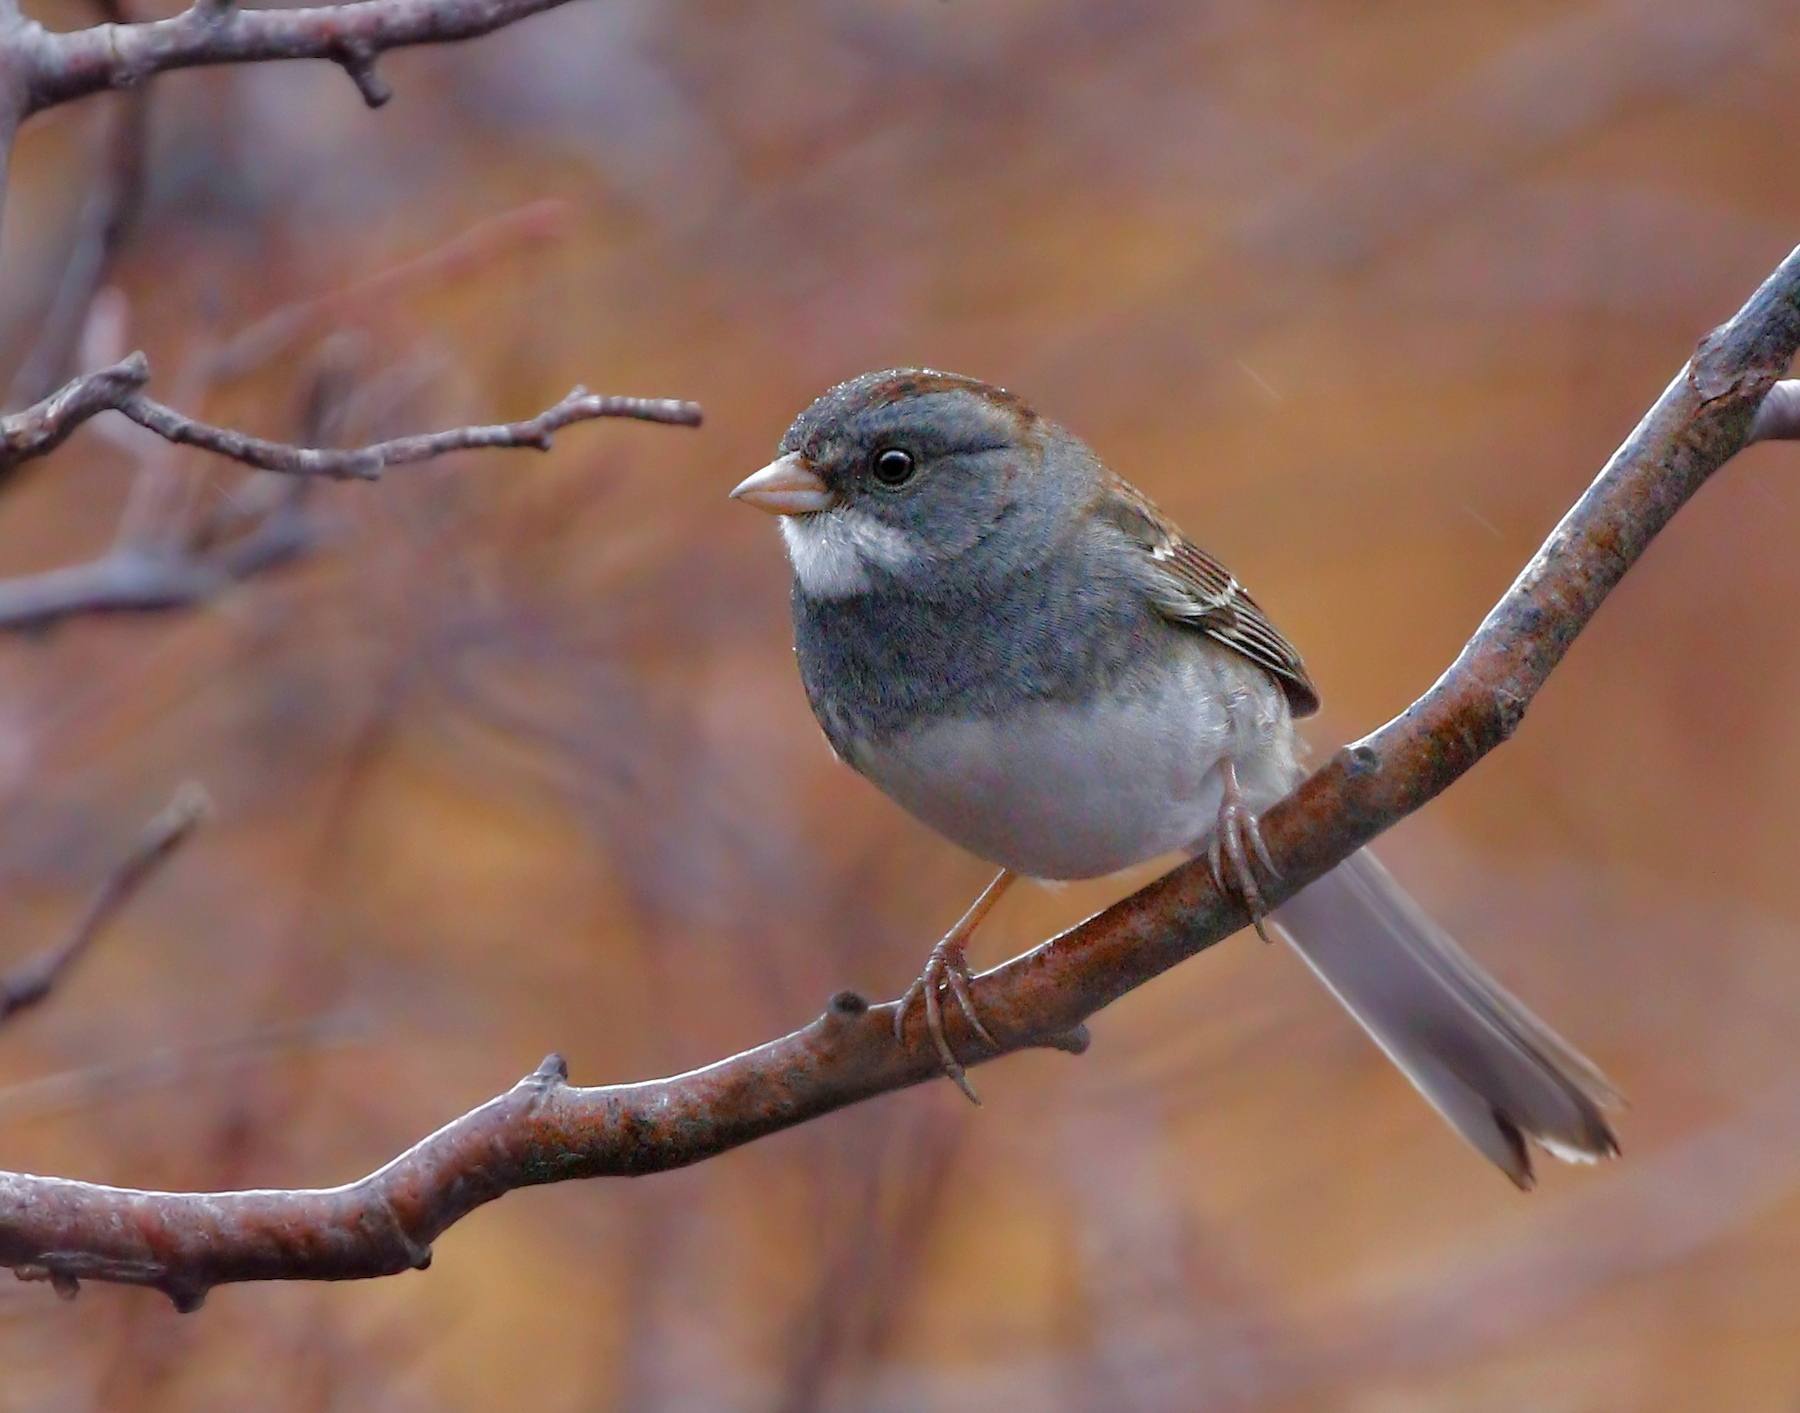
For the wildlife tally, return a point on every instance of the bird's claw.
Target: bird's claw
(1236, 837)
(946, 970)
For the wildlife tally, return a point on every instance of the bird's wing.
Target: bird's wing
(1188, 586)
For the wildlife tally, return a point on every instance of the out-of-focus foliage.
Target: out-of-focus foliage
(516, 759)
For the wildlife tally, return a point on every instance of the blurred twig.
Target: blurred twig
(39, 69)
(159, 559)
(170, 571)
(878, 1194)
(461, 255)
(167, 557)
(116, 1080)
(106, 217)
(1646, 1217)
(29, 984)
(544, 1130)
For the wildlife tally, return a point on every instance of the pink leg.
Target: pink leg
(948, 969)
(1238, 835)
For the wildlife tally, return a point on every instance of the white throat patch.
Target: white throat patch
(831, 551)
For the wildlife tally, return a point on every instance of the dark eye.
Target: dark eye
(892, 467)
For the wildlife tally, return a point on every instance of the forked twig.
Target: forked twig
(26, 985)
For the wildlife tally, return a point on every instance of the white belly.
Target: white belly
(1054, 791)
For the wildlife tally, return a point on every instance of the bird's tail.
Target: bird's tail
(1494, 1070)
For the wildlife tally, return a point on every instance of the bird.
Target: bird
(1015, 645)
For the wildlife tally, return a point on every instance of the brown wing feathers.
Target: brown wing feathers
(1194, 589)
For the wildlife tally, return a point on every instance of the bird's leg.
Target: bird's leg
(1234, 838)
(948, 969)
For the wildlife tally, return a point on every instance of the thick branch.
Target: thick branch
(26, 985)
(40, 429)
(544, 1130)
(61, 67)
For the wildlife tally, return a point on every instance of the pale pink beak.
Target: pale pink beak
(787, 487)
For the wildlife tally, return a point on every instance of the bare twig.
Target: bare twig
(40, 429)
(156, 560)
(115, 1080)
(106, 216)
(165, 558)
(154, 522)
(61, 67)
(544, 1130)
(122, 579)
(462, 254)
(367, 463)
(29, 984)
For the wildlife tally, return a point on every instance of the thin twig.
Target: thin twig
(367, 463)
(162, 558)
(114, 1080)
(461, 255)
(44, 426)
(544, 1130)
(106, 218)
(29, 984)
(40, 429)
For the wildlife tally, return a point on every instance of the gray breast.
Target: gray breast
(1055, 789)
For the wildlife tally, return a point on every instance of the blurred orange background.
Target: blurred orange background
(515, 759)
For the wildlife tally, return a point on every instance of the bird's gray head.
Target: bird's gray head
(890, 475)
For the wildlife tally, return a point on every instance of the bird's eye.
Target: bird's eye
(892, 466)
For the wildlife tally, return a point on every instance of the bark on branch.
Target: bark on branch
(544, 1130)
(42, 428)
(60, 67)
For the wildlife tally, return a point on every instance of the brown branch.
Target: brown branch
(61, 67)
(29, 984)
(544, 1130)
(40, 429)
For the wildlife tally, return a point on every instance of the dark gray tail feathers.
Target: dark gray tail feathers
(1494, 1070)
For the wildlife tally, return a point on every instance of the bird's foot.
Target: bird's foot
(947, 969)
(1235, 839)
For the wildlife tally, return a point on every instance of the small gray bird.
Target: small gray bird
(1021, 650)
